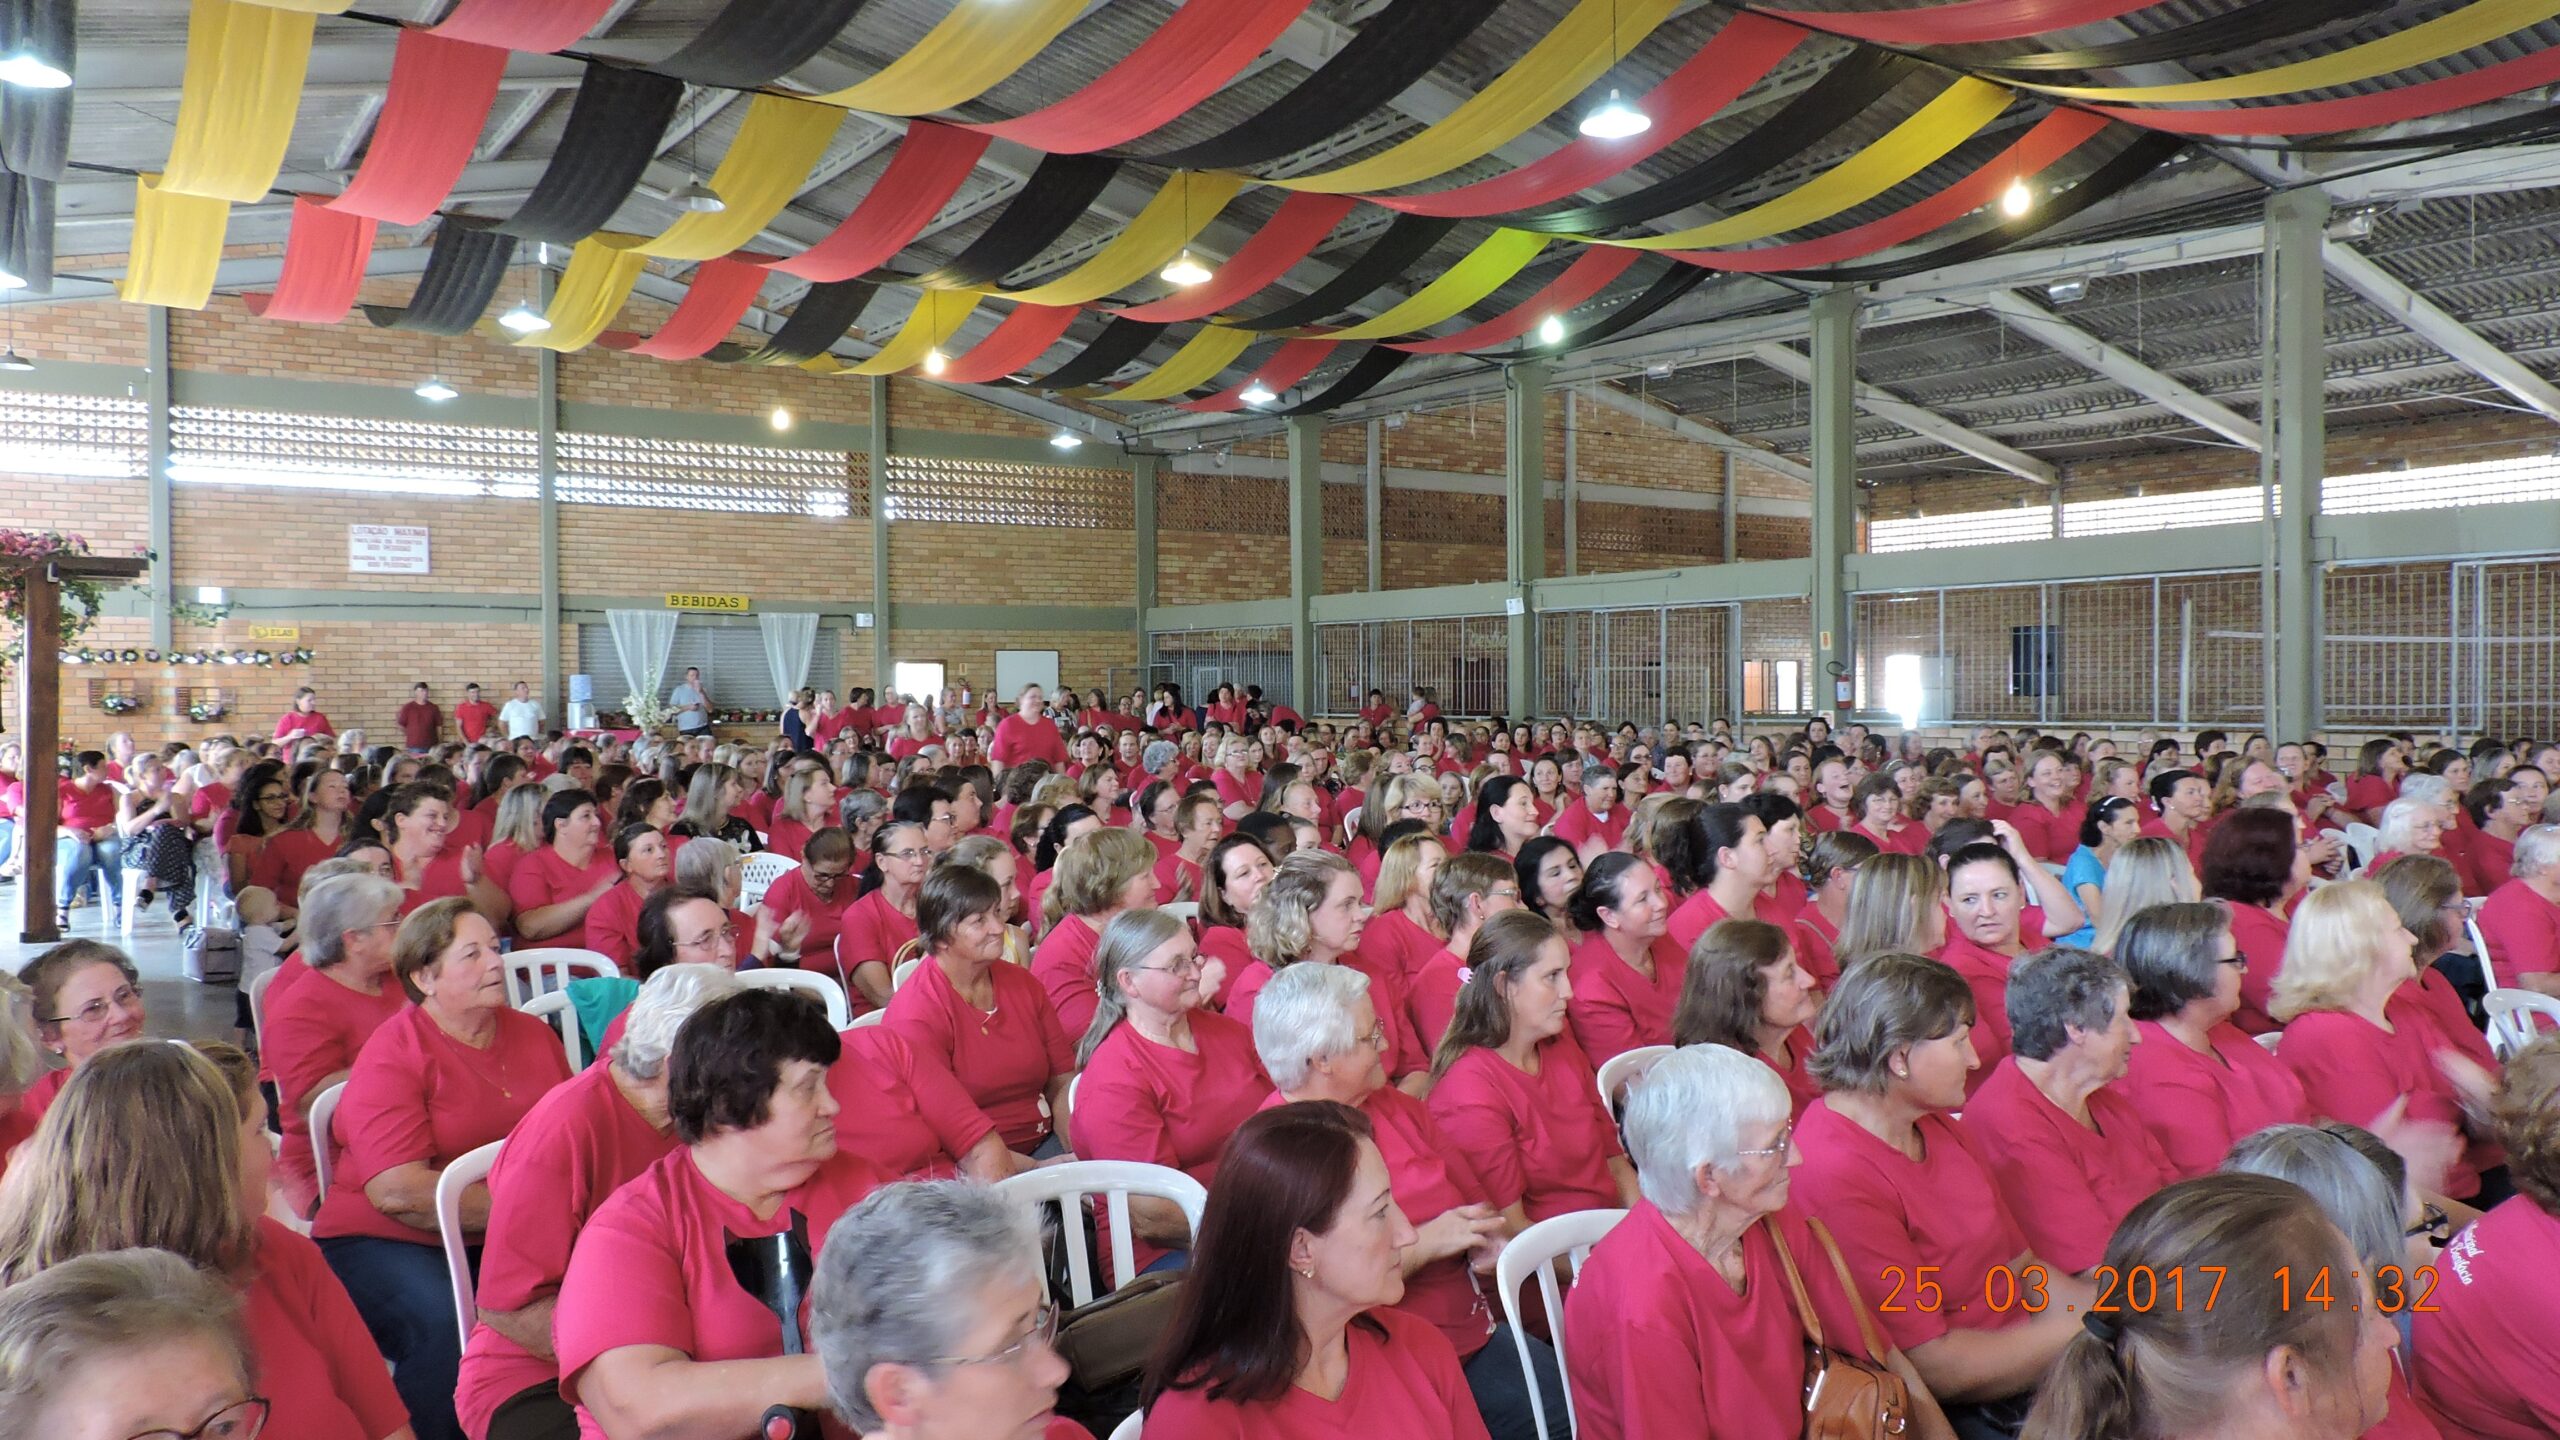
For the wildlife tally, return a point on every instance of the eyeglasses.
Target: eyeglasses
(816, 876)
(726, 935)
(95, 1012)
(2237, 961)
(1188, 969)
(242, 1421)
(1376, 1039)
(2434, 1224)
(1044, 1328)
(1503, 892)
(1786, 1138)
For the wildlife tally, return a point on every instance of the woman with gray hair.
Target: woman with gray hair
(2411, 825)
(571, 1150)
(1684, 1319)
(931, 1318)
(1317, 1031)
(2197, 1080)
(126, 1342)
(2521, 919)
(2069, 1149)
(321, 1009)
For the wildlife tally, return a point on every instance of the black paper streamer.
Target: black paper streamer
(1371, 371)
(825, 315)
(611, 137)
(752, 43)
(26, 230)
(2107, 181)
(1406, 239)
(1059, 192)
(1392, 49)
(1119, 342)
(464, 269)
(1667, 286)
(2212, 40)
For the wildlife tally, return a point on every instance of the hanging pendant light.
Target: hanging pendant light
(1551, 330)
(1257, 393)
(1066, 440)
(435, 390)
(2017, 200)
(1615, 119)
(935, 362)
(523, 319)
(12, 360)
(698, 198)
(1185, 270)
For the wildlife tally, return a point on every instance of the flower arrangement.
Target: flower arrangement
(20, 554)
(120, 704)
(645, 711)
(205, 712)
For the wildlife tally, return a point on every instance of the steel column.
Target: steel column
(1834, 417)
(1306, 552)
(1524, 524)
(2296, 291)
(879, 474)
(1373, 482)
(546, 493)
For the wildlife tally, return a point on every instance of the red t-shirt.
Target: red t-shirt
(2068, 1184)
(1802, 1088)
(1541, 1139)
(1699, 913)
(2260, 935)
(1393, 939)
(1225, 944)
(873, 933)
(1892, 1214)
(297, 722)
(1391, 993)
(1005, 1057)
(652, 1267)
(441, 878)
(317, 1364)
(903, 1112)
(1821, 819)
(1403, 1381)
(1431, 1001)
(1063, 963)
(500, 861)
(1166, 1106)
(1577, 824)
(2523, 931)
(791, 896)
(418, 1094)
(1235, 790)
(544, 878)
(613, 924)
(1614, 1008)
(1017, 740)
(1815, 937)
(2369, 793)
(787, 837)
(75, 808)
(1986, 974)
(285, 857)
(213, 797)
(419, 722)
(1665, 1349)
(473, 718)
(2484, 1351)
(2197, 1106)
(572, 1150)
(2049, 836)
(2493, 861)
(315, 1030)
(2352, 1069)
(1176, 878)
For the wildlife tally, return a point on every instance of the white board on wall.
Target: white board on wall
(1017, 668)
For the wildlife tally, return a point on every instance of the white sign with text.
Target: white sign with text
(387, 549)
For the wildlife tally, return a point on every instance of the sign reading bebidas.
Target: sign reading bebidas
(720, 604)
(387, 549)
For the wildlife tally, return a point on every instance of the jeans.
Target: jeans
(1502, 1392)
(406, 1298)
(75, 860)
(8, 840)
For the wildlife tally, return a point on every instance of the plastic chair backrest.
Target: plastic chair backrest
(867, 1017)
(2270, 1040)
(2511, 1018)
(563, 1017)
(1066, 1186)
(2479, 947)
(906, 968)
(541, 971)
(1533, 1252)
(2363, 843)
(466, 1171)
(1131, 1428)
(258, 1002)
(1624, 1069)
(1186, 911)
(762, 869)
(324, 1108)
(808, 982)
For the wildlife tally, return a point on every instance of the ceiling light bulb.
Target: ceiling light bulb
(1257, 393)
(1615, 120)
(781, 418)
(2065, 292)
(25, 70)
(433, 389)
(1551, 330)
(2017, 200)
(1186, 270)
(1066, 440)
(523, 319)
(935, 362)
(699, 198)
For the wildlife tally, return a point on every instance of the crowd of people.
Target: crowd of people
(2043, 1028)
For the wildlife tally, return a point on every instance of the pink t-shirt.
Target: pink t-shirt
(1063, 963)
(303, 722)
(1403, 1382)
(1577, 824)
(1225, 944)
(284, 858)
(2260, 935)
(791, 896)
(903, 1112)
(613, 924)
(1017, 740)
(2068, 1184)
(1542, 1139)
(1986, 974)
(2483, 1353)
(2198, 1106)
(1005, 1057)
(317, 1364)
(1392, 938)
(652, 1268)
(1614, 1007)
(1166, 1106)
(1815, 937)
(1699, 913)
(1802, 1088)
(2352, 1069)
(872, 933)
(2523, 931)
(315, 1030)
(1431, 1001)
(544, 878)
(572, 1150)
(1429, 1177)
(1391, 993)
(417, 1094)
(2049, 836)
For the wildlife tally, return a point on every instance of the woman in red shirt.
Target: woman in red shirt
(1831, 871)
(435, 1082)
(2252, 864)
(612, 923)
(320, 828)
(803, 912)
(554, 887)
(877, 929)
(1098, 877)
(1198, 825)
(1165, 1079)
(1986, 900)
(304, 718)
(415, 823)
(1237, 871)
(1745, 990)
(1627, 976)
(1726, 869)
(87, 998)
(1027, 734)
(985, 1020)
(2198, 1081)
(1401, 933)
(808, 805)
(1549, 873)
(318, 1025)
(87, 844)
(1506, 817)
(2482, 1347)
(1877, 802)
(1303, 1222)
(1469, 890)
(2376, 782)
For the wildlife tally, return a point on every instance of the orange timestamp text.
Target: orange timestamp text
(2142, 1289)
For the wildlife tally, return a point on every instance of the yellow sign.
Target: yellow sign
(721, 604)
(275, 632)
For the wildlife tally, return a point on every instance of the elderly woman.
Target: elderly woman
(132, 1342)
(1514, 1088)
(319, 1023)
(717, 869)
(2425, 891)
(2069, 1150)
(1316, 1030)
(2413, 824)
(86, 996)
(2197, 1081)
(1310, 914)
(1746, 991)
(1197, 827)
(1165, 1080)
(654, 1331)
(802, 913)
(1288, 1325)
(436, 1081)
(554, 887)
(572, 1150)
(905, 1111)
(2366, 1044)
(1099, 877)
(876, 930)
(1684, 1319)
(1903, 1186)
(2481, 1343)
(984, 1020)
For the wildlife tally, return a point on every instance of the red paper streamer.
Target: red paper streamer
(1733, 61)
(432, 115)
(2355, 112)
(1289, 236)
(921, 178)
(1585, 277)
(1022, 338)
(324, 259)
(1964, 22)
(2053, 137)
(713, 304)
(1288, 365)
(536, 25)
(1183, 63)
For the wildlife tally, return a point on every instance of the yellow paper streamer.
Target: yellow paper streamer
(776, 147)
(1504, 254)
(1173, 219)
(2474, 24)
(977, 45)
(176, 247)
(598, 279)
(1958, 112)
(1203, 355)
(1593, 36)
(236, 101)
(938, 316)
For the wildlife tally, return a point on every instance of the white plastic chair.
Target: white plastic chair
(1533, 1252)
(1131, 1428)
(213, 885)
(808, 982)
(762, 869)
(2270, 1040)
(134, 876)
(1066, 1186)
(1351, 823)
(1186, 911)
(1624, 1069)
(324, 1108)
(2479, 946)
(2363, 843)
(867, 1017)
(2512, 1013)
(906, 968)
(562, 1016)
(258, 1003)
(539, 972)
(466, 1171)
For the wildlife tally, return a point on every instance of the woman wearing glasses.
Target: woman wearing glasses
(88, 996)
(316, 1026)
(132, 1342)
(2198, 1081)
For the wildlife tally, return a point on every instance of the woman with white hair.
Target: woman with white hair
(127, 1342)
(2521, 918)
(930, 1318)
(1684, 1319)
(341, 990)
(1316, 1029)
(2414, 824)
(571, 1150)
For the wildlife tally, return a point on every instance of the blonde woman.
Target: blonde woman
(807, 806)
(1098, 876)
(1897, 906)
(2144, 872)
(1401, 934)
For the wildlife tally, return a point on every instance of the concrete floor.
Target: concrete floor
(174, 1006)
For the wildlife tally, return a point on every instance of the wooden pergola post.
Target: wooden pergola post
(40, 712)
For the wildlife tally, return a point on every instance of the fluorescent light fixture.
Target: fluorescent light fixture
(1186, 270)
(780, 418)
(1257, 393)
(209, 594)
(2065, 292)
(523, 319)
(27, 71)
(1615, 120)
(1658, 370)
(1551, 330)
(1066, 440)
(935, 362)
(699, 199)
(428, 389)
(11, 280)
(2017, 200)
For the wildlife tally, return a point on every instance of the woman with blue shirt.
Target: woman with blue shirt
(2111, 823)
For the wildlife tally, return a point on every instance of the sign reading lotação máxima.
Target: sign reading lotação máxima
(717, 604)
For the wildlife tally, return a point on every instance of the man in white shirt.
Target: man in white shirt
(522, 714)
(691, 704)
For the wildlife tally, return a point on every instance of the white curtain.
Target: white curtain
(642, 640)
(789, 636)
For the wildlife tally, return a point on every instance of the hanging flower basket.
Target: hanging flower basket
(120, 704)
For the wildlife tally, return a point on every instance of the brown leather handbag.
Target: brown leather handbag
(1845, 1398)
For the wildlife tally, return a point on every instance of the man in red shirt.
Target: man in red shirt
(473, 716)
(421, 720)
